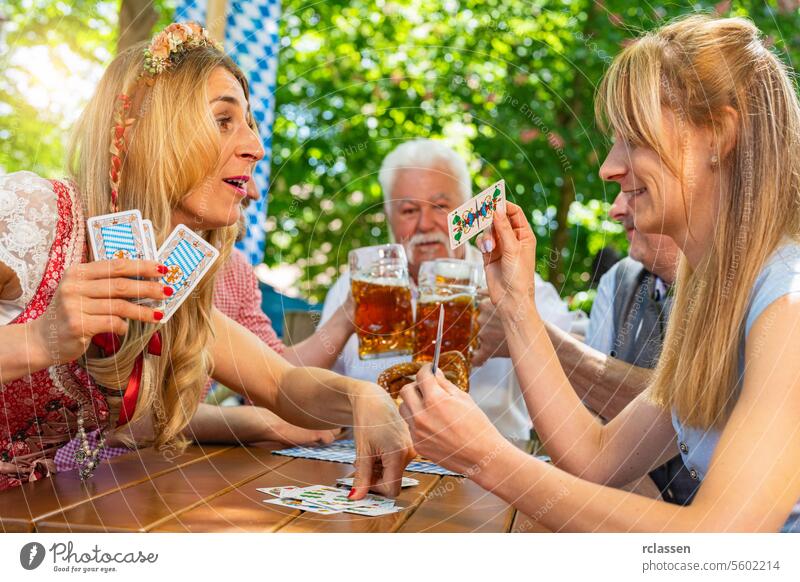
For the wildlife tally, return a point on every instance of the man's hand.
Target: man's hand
(491, 335)
(349, 310)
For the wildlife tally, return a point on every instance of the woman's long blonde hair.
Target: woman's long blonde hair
(173, 148)
(695, 67)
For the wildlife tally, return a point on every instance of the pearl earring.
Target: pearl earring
(714, 160)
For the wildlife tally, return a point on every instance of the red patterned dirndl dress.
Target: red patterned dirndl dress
(37, 415)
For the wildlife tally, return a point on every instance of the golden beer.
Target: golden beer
(460, 315)
(384, 319)
(451, 283)
(384, 316)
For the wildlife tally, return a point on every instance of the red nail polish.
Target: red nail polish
(168, 291)
(162, 269)
(158, 315)
(352, 493)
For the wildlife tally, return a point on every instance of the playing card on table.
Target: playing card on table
(278, 491)
(476, 215)
(374, 511)
(187, 257)
(335, 498)
(326, 500)
(117, 236)
(299, 504)
(407, 482)
(318, 494)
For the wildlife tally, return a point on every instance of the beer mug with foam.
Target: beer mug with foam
(380, 285)
(454, 284)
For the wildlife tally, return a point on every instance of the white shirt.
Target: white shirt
(602, 327)
(493, 386)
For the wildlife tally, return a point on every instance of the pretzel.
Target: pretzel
(453, 364)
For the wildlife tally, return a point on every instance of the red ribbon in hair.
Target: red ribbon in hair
(110, 344)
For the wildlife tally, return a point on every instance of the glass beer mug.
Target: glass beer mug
(454, 284)
(384, 318)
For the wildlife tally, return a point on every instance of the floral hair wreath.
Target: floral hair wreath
(177, 38)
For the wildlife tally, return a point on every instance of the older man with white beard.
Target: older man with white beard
(422, 181)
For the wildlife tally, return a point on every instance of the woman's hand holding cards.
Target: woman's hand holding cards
(509, 259)
(94, 298)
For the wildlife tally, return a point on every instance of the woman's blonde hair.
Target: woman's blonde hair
(172, 149)
(696, 67)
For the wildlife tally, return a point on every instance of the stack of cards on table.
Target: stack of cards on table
(327, 500)
(125, 235)
(406, 482)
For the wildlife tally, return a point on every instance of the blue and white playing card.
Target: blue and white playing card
(344, 451)
(150, 246)
(150, 253)
(117, 236)
(188, 257)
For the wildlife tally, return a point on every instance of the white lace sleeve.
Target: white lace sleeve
(28, 215)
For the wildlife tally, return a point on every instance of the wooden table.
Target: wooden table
(213, 489)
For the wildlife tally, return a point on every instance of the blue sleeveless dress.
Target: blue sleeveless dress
(780, 276)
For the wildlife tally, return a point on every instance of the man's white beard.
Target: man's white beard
(411, 244)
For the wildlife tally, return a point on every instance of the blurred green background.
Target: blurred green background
(509, 84)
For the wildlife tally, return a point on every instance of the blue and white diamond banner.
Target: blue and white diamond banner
(191, 10)
(252, 40)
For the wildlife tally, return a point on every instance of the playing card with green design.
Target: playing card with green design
(474, 216)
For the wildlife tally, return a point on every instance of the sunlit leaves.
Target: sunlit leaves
(509, 83)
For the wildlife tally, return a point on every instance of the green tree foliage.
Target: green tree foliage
(511, 83)
(43, 40)
(34, 32)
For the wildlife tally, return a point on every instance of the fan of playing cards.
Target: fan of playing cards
(187, 256)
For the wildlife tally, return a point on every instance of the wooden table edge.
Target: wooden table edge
(35, 521)
(415, 506)
(207, 498)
